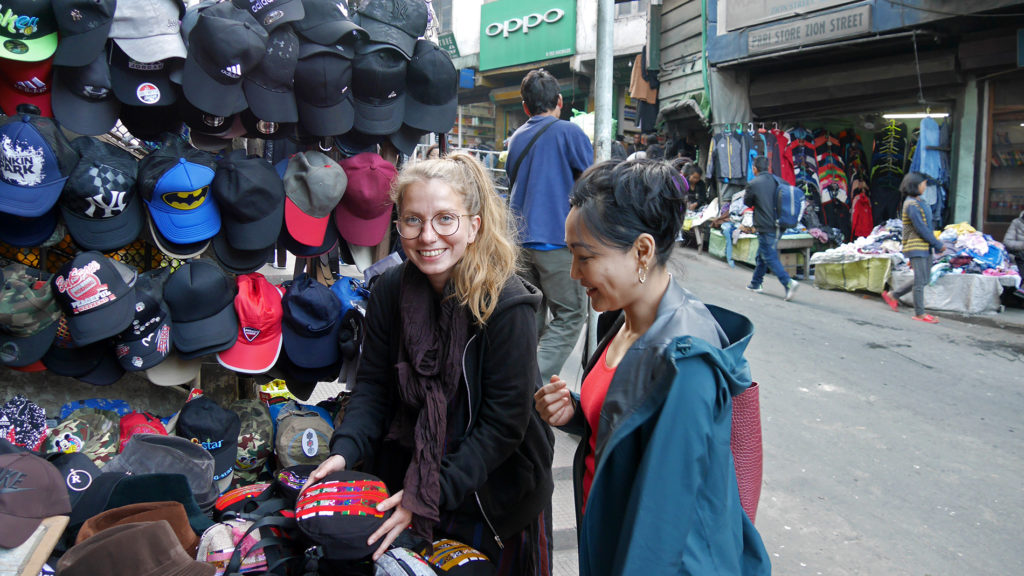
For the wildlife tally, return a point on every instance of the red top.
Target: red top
(592, 395)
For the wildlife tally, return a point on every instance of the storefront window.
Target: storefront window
(1006, 157)
(633, 8)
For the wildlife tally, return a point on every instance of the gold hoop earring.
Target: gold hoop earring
(641, 273)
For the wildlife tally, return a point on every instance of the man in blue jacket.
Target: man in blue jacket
(541, 175)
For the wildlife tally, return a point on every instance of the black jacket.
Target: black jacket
(761, 195)
(499, 467)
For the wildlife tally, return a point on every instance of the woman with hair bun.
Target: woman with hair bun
(442, 406)
(656, 490)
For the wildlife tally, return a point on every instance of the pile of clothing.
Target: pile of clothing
(884, 240)
(971, 252)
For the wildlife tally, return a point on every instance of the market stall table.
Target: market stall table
(794, 249)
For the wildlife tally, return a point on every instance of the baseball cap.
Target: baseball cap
(397, 23)
(30, 31)
(340, 513)
(174, 181)
(432, 88)
(268, 88)
(328, 22)
(83, 26)
(258, 344)
(406, 138)
(301, 250)
(271, 14)
(25, 232)
(138, 423)
(87, 431)
(225, 45)
(378, 91)
(251, 199)
(323, 77)
(201, 297)
(149, 30)
(25, 83)
(355, 142)
(239, 261)
(100, 204)
(255, 439)
(97, 294)
(154, 453)
(33, 490)
(23, 423)
(83, 99)
(132, 549)
(313, 185)
(204, 422)
(311, 320)
(168, 510)
(364, 213)
(144, 84)
(146, 342)
(43, 159)
(264, 129)
(174, 370)
(149, 123)
(28, 318)
(77, 470)
(65, 358)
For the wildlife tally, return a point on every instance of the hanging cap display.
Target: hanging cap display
(82, 98)
(328, 22)
(397, 23)
(144, 84)
(271, 14)
(84, 26)
(323, 94)
(174, 181)
(258, 305)
(37, 159)
(313, 185)
(379, 92)
(364, 213)
(100, 204)
(97, 295)
(432, 82)
(201, 299)
(268, 88)
(148, 30)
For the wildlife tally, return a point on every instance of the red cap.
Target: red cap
(364, 213)
(36, 366)
(258, 304)
(26, 83)
(139, 423)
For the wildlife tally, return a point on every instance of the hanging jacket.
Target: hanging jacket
(728, 158)
(638, 87)
(785, 157)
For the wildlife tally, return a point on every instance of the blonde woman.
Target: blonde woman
(443, 398)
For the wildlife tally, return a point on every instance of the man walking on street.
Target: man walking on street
(761, 194)
(545, 156)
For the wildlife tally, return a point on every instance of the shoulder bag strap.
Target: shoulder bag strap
(515, 167)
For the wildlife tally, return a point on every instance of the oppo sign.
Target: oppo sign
(525, 23)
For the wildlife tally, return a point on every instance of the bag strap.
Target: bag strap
(277, 521)
(515, 167)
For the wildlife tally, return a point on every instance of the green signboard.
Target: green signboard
(523, 31)
(447, 43)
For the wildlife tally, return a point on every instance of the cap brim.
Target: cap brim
(81, 115)
(186, 227)
(328, 120)
(81, 49)
(431, 117)
(257, 234)
(30, 201)
(105, 373)
(211, 96)
(331, 32)
(406, 138)
(301, 250)
(380, 119)
(26, 232)
(16, 530)
(270, 105)
(224, 459)
(195, 338)
(73, 362)
(311, 352)
(105, 234)
(100, 323)
(30, 349)
(240, 261)
(251, 358)
(138, 356)
(381, 33)
(361, 231)
(36, 49)
(153, 48)
(302, 227)
(179, 251)
(174, 371)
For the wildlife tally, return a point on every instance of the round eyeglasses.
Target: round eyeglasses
(444, 224)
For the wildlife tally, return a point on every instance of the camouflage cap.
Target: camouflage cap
(255, 440)
(28, 318)
(303, 437)
(89, 431)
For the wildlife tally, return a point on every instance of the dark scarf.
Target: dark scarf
(429, 370)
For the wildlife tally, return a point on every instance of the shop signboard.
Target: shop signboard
(523, 31)
(447, 43)
(744, 13)
(812, 30)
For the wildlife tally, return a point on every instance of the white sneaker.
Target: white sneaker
(791, 289)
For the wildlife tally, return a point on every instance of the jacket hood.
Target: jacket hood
(518, 292)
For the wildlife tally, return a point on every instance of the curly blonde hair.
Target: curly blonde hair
(490, 261)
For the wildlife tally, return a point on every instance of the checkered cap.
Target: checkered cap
(26, 310)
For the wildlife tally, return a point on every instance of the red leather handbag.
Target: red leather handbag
(747, 451)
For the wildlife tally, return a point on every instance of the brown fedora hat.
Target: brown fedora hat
(172, 512)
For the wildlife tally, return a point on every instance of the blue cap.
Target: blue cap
(312, 318)
(35, 160)
(182, 206)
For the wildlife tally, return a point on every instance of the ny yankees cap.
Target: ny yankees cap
(149, 30)
(328, 22)
(147, 340)
(28, 318)
(143, 84)
(201, 299)
(268, 88)
(174, 181)
(31, 490)
(364, 213)
(25, 83)
(225, 45)
(258, 304)
(84, 26)
(206, 423)
(272, 13)
(323, 78)
(97, 295)
(82, 98)
(100, 203)
(35, 161)
(396, 23)
(432, 83)
(378, 91)
(29, 31)
(313, 185)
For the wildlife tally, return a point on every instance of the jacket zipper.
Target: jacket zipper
(469, 403)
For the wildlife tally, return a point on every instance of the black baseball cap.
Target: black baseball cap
(378, 92)
(147, 340)
(406, 138)
(239, 261)
(26, 232)
(310, 325)
(83, 99)
(355, 142)
(107, 371)
(432, 84)
(97, 294)
(100, 203)
(397, 23)
(301, 382)
(206, 423)
(144, 84)
(271, 14)
(225, 45)
(251, 199)
(65, 358)
(201, 298)
(266, 130)
(84, 26)
(323, 78)
(328, 22)
(78, 471)
(301, 250)
(204, 123)
(268, 88)
(150, 123)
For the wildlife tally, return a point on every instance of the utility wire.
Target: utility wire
(948, 13)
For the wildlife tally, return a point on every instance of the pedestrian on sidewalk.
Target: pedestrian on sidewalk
(760, 194)
(918, 241)
(545, 156)
(442, 404)
(656, 490)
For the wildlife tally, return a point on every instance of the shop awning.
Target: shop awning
(686, 110)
